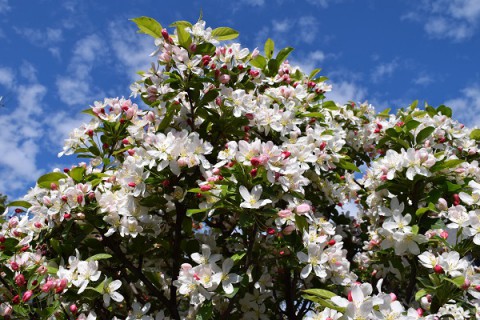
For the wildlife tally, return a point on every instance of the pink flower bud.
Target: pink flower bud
(73, 308)
(20, 280)
(444, 234)
(393, 296)
(288, 230)
(14, 266)
(284, 213)
(132, 184)
(27, 295)
(303, 208)
(420, 312)
(206, 187)
(224, 78)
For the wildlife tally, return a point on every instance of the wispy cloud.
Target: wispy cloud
(4, 7)
(21, 135)
(344, 91)
(41, 38)
(131, 49)
(423, 79)
(447, 19)
(384, 70)
(465, 107)
(75, 87)
(323, 3)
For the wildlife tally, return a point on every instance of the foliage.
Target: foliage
(223, 199)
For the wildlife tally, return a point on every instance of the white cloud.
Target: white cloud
(6, 77)
(74, 88)
(466, 107)
(308, 27)
(131, 49)
(281, 26)
(41, 38)
(423, 80)
(22, 137)
(4, 7)
(322, 3)
(28, 71)
(344, 91)
(447, 19)
(255, 3)
(384, 70)
(311, 61)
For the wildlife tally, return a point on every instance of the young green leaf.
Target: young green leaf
(224, 33)
(424, 134)
(283, 54)
(269, 48)
(148, 26)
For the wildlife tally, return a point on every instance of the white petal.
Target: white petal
(306, 271)
(244, 193)
(117, 296)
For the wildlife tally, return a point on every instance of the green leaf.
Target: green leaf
(446, 111)
(458, 281)
(420, 293)
(148, 26)
(330, 105)
(385, 113)
(273, 66)
(415, 229)
(46, 180)
(184, 38)
(224, 33)
(314, 73)
(238, 256)
(171, 111)
(205, 48)
(317, 115)
(301, 222)
(344, 164)
(99, 256)
(283, 54)
(412, 124)
(452, 187)
(475, 134)
(181, 23)
(77, 174)
(320, 293)
(89, 111)
(19, 203)
(424, 134)
(191, 212)
(269, 48)
(446, 164)
(259, 62)
(323, 302)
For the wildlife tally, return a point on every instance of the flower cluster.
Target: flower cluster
(225, 193)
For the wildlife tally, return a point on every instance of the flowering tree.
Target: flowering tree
(221, 198)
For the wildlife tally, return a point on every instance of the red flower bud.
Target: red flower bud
(20, 280)
(438, 269)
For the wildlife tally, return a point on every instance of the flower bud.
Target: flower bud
(438, 269)
(20, 280)
(73, 308)
(27, 295)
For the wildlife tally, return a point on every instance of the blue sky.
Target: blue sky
(57, 57)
